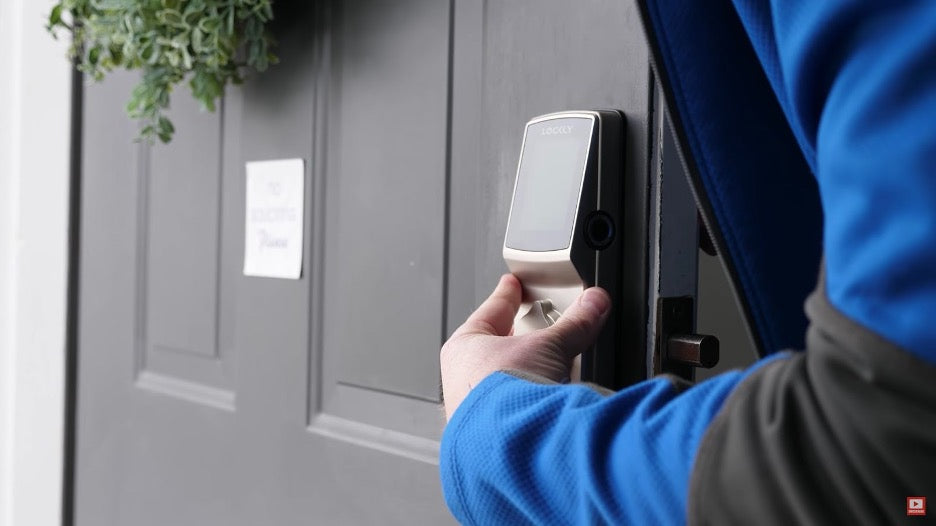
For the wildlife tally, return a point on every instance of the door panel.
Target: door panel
(208, 397)
(385, 198)
(138, 449)
(184, 311)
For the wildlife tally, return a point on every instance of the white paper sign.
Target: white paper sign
(273, 233)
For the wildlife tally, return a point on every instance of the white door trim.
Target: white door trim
(35, 105)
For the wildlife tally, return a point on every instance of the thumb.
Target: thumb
(577, 328)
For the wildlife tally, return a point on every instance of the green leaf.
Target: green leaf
(186, 59)
(252, 29)
(209, 24)
(55, 17)
(170, 17)
(165, 126)
(93, 55)
(197, 37)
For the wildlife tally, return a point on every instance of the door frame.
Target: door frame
(35, 173)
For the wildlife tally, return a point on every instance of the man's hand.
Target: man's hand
(485, 343)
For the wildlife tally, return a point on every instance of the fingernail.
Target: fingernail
(597, 301)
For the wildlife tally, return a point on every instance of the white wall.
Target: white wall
(34, 153)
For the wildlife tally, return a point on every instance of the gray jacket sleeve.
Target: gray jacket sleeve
(840, 434)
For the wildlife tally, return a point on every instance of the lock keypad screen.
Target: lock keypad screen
(549, 181)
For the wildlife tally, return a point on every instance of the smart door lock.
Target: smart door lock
(564, 230)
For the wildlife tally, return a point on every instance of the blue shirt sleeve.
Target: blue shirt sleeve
(518, 452)
(857, 82)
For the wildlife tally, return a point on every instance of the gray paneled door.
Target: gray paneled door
(208, 397)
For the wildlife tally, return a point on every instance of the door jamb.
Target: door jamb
(72, 300)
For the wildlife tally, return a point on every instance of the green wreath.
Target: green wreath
(208, 42)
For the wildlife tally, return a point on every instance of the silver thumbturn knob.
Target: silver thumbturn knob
(541, 314)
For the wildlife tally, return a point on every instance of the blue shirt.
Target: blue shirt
(852, 88)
